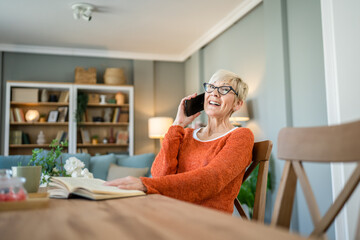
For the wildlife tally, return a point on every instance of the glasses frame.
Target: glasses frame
(217, 88)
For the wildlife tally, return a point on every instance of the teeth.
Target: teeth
(214, 103)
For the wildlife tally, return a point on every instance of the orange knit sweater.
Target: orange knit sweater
(208, 173)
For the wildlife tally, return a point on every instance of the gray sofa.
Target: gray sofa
(98, 165)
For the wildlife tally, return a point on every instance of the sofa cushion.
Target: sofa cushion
(6, 162)
(116, 171)
(137, 161)
(99, 165)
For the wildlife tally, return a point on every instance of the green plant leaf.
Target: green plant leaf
(248, 188)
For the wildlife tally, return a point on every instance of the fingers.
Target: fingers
(118, 181)
(128, 183)
(196, 115)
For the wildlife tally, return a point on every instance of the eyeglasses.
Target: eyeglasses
(223, 90)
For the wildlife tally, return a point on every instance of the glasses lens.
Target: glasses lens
(224, 90)
(208, 87)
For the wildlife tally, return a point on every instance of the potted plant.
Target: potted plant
(82, 101)
(51, 162)
(95, 139)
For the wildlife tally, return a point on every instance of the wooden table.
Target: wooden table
(146, 217)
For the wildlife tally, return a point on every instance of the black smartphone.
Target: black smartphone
(194, 105)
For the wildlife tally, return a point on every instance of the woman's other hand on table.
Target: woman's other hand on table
(128, 183)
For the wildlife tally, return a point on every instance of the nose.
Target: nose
(216, 92)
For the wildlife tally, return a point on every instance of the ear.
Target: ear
(237, 105)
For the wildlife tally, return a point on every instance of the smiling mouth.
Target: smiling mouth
(214, 103)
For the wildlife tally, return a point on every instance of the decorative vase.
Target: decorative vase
(102, 99)
(44, 95)
(107, 115)
(41, 138)
(120, 98)
(111, 137)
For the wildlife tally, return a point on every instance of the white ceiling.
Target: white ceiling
(169, 30)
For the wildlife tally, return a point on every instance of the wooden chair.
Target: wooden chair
(260, 156)
(334, 144)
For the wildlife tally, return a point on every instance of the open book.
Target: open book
(91, 188)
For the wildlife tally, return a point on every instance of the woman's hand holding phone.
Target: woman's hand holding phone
(181, 118)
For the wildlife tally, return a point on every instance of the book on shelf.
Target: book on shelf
(63, 111)
(15, 137)
(122, 137)
(58, 135)
(116, 115)
(82, 150)
(64, 97)
(12, 116)
(124, 116)
(25, 138)
(19, 115)
(90, 188)
(64, 137)
(85, 135)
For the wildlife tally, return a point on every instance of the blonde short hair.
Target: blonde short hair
(229, 77)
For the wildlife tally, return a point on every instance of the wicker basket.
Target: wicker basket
(114, 76)
(85, 76)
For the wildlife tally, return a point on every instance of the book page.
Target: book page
(94, 185)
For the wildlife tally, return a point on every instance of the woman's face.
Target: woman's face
(217, 105)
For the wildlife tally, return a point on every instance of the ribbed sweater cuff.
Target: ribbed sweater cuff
(146, 181)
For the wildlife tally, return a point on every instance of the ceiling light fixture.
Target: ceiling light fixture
(82, 10)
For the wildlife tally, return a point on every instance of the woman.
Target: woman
(203, 166)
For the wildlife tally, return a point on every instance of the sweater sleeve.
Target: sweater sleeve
(204, 183)
(166, 161)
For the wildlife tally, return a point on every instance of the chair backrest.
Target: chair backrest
(338, 143)
(260, 156)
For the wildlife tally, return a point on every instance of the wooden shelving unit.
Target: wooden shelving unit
(39, 124)
(103, 129)
(107, 105)
(50, 129)
(101, 145)
(97, 124)
(29, 145)
(39, 104)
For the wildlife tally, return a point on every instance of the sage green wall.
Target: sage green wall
(144, 84)
(192, 74)
(55, 68)
(169, 89)
(306, 62)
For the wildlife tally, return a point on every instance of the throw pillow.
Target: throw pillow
(137, 161)
(99, 165)
(6, 162)
(116, 171)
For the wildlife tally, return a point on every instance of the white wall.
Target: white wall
(341, 33)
